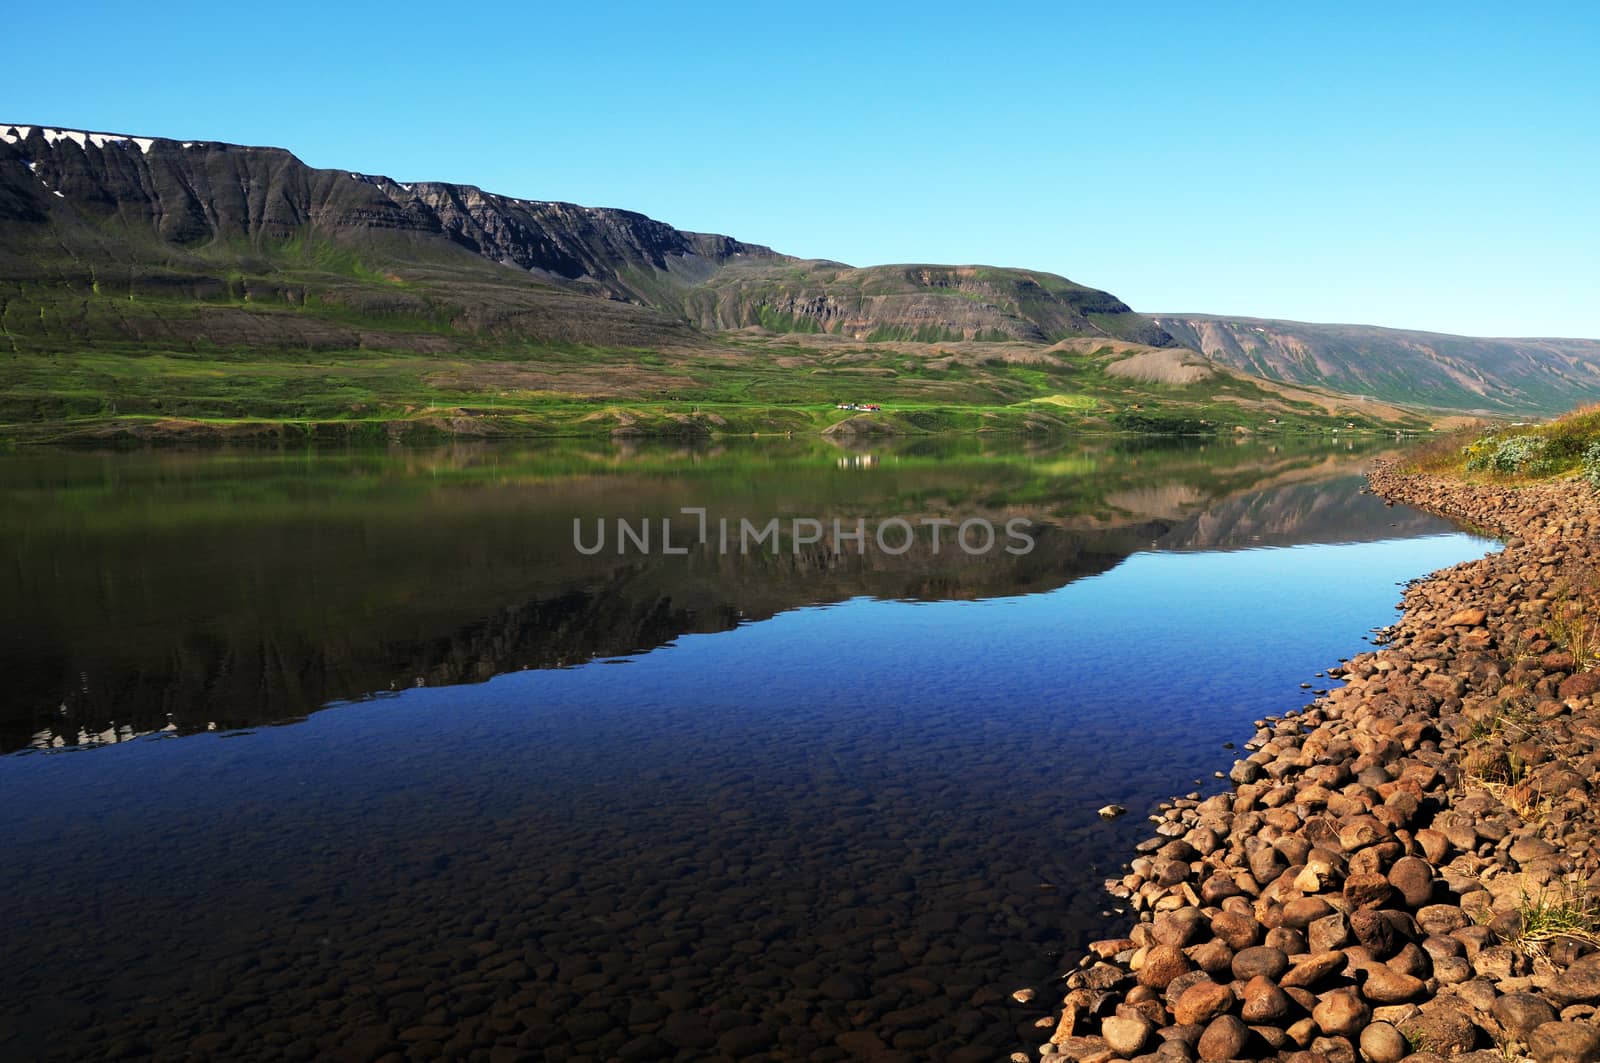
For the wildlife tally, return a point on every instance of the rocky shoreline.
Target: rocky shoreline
(1402, 869)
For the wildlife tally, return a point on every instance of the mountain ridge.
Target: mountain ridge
(192, 244)
(1200, 316)
(179, 202)
(154, 289)
(1494, 376)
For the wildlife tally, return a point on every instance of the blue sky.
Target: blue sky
(1420, 165)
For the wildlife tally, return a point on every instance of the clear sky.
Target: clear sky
(1418, 165)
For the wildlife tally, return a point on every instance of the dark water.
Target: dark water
(556, 806)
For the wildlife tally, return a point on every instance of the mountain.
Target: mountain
(919, 303)
(1492, 376)
(156, 289)
(202, 241)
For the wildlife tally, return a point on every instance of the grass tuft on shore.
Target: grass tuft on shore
(1565, 911)
(1575, 617)
(1511, 453)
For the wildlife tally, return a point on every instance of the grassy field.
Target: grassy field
(762, 389)
(748, 383)
(378, 335)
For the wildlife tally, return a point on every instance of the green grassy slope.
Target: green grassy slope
(755, 384)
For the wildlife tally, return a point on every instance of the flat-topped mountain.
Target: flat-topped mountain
(202, 226)
(920, 303)
(1496, 376)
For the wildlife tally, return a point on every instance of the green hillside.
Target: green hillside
(1491, 376)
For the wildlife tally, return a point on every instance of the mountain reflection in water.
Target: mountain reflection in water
(185, 591)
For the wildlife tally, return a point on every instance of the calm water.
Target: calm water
(536, 804)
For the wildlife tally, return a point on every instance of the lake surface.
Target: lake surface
(346, 754)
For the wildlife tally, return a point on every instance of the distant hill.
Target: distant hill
(157, 240)
(1492, 376)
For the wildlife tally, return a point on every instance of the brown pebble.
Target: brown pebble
(1126, 1035)
(1382, 1043)
(1263, 1001)
(1383, 985)
(1520, 1013)
(1235, 930)
(1302, 911)
(1201, 1003)
(1162, 964)
(1225, 1038)
(1309, 970)
(1368, 890)
(1413, 878)
(1341, 1013)
(1565, 1042)
(1261, 960)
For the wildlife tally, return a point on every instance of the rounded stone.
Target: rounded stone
(1341, 1013)
(1225, 1038)
(1499, 962)
(1412, 960)
(1413, 877)
(1368, 890)
(1440, 920)
(1332, 1050)
(1521, 1013)
(1264, 1002)
(843, 987)
(1382, 1043)
(1564, 1042)
(1180, 985)
(1287, 940)
(1126, 1034)
(1360, 832)
(1444, 1025)
(1213, 957)
(1374, 932)
(1329, 933)
(1261, 960)
(1451, 970)
(1218, 888)
(1236, 930)
(1313, 968)
(1187, 1036)
(1163, 963)
(1579, 983)
(1180, 928)
(1201, 1003)
(1303, 911)
(1435, 846)
(1383, 985)
(1175, 1052)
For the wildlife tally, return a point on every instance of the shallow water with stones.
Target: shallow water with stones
(527, 803)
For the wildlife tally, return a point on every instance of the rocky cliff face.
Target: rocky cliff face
(88, 216)
(915, 302)
(197, 193)
(1496, 376)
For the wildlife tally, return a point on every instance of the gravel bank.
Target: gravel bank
(1402, 869)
